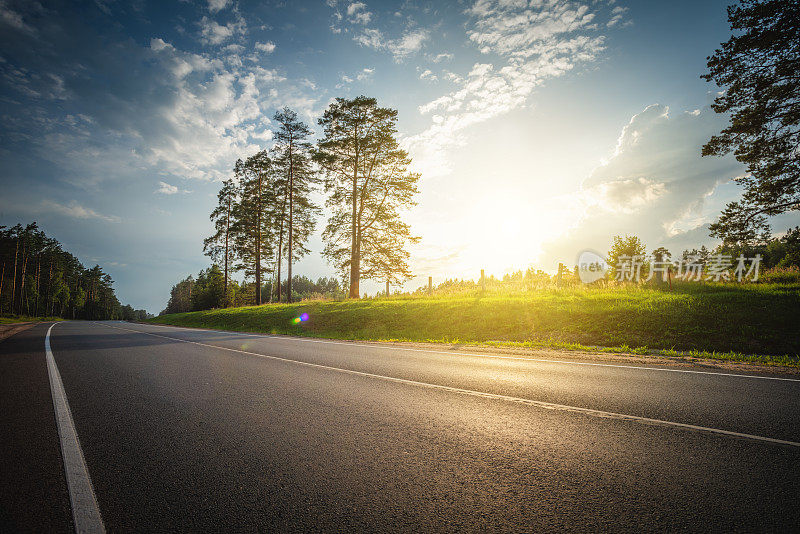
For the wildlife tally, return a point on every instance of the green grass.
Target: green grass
(9, 319)
(756, 322)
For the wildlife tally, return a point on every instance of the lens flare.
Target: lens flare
(304, 317)
(298, 320)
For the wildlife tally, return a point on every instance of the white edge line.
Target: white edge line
(479, 354)
(494, 396)
(85, 511)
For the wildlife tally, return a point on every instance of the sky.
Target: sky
(540, 128)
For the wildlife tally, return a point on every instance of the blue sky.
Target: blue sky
(540, 128)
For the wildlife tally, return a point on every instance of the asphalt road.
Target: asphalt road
(190, 430)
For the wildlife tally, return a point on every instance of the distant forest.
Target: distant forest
(38, 278)
(207, 291)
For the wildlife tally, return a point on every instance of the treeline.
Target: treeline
(776, 252)
(265, 213)
(207, 291)
(39, 278)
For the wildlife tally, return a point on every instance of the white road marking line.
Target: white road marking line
(494, 396)
(483, 355)
(85, 512)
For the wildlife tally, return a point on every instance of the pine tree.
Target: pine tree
(255, 216)
(758, 67)
(368, 184)
(220, 244)
(297, 178)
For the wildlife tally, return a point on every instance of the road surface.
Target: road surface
(194, 430)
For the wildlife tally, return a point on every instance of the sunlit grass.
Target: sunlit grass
(756, 322)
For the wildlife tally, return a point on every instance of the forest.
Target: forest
(38, 278)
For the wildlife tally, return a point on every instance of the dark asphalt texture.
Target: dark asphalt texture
(33, 488)
(183, 437)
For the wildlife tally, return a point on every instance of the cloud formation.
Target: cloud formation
(655, 185)
(75, 211)
(128, 107)
(527, 45)
(166, 189)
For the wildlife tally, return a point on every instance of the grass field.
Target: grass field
(748, 322)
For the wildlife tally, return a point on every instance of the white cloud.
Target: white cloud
(76, 211)
(617, 15)
(267, 47)
(534, 44)
(655, 185)
(190, 117)
(362, 75)
(357, 13)
(442, 57)
(11, 18)
(355, 7)
(214, 33)
(158, 44)
(427, 75)
(371, 38)
(166, 189)
(410, 42)
(217, 5)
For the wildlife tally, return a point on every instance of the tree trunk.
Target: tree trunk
(38, 286)
(291, 225)
(387, 288)
(2, 277)
(227, 233)
(47, 305)
(258, 243)
(14, 281)
(280, 246)
(22, 279)
(354, 254)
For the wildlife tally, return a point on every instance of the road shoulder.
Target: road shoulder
(589, 356)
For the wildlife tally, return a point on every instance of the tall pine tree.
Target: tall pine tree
(368, 184)
(255, 216)
(297, 177)
(219, 246)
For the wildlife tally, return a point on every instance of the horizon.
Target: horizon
(533, 143)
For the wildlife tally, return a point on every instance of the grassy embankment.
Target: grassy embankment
(748, 322)
(10, 319)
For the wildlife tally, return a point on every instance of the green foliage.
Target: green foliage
(758, 69)
(38, 278)
(368, 185)
(296, 178)
(255, 215)
(630, 245)
(778, 252)
(206, 292)
(220, 245)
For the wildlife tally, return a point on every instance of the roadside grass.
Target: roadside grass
(757, 323)
(10, 319)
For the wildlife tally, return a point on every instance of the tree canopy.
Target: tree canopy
(368, 184)
(759, 70)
